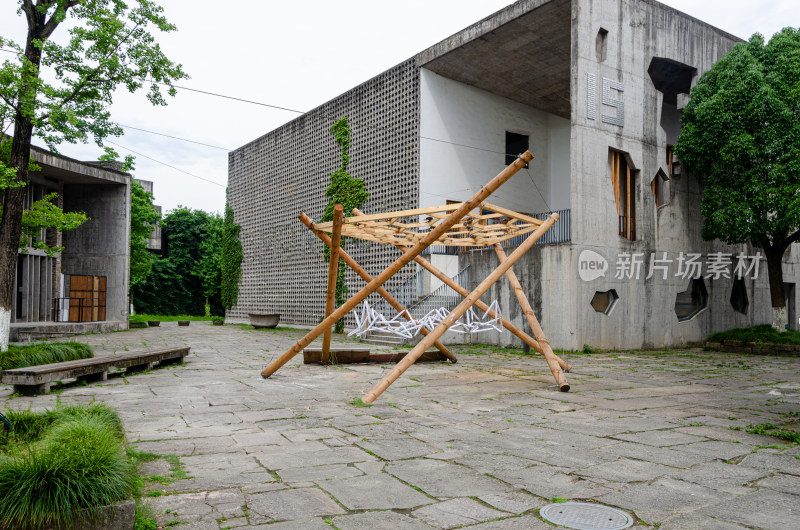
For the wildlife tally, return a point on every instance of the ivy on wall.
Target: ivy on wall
(231, 259)
(348, 191)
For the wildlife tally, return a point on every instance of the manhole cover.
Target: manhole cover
(585, 516)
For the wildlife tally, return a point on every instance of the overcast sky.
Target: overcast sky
(299, 55)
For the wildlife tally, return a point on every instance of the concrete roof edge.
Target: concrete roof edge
(724, 33)
(478, 29)
(87, 169)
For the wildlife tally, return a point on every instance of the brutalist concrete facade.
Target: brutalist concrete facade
(98, 248)
(600, 81)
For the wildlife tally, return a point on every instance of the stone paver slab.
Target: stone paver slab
(457, 512)
(443, 479)
(290, 504)
(378, 521)
(379, 491)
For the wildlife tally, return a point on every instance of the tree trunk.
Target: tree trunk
(776, 290)
(13, 198)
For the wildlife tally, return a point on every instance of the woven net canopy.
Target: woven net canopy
(486, 225)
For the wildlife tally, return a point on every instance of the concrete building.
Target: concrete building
(595, 89)
(85, 287)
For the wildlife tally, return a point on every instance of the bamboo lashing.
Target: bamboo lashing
(358, 269)
(430, 238)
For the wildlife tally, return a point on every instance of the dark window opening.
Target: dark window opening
(659, 188)
(601, 45)
(739, 300)
(516, 144)
(691, 301)
(671, 78)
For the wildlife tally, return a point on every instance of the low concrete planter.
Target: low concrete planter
(738, 346)
(137, 325)
(153, 323)
(217, 322)
(258, 320)
(117, 517)
(183, 322)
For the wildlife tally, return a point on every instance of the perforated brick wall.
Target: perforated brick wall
(285, 172)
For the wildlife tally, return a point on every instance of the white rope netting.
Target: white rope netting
(369, 320)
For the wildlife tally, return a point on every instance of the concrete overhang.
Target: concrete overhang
(522, 52)
(72, 171)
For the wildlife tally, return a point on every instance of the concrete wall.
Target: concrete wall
(100, 247)
(638, 31)
(456, 118)
(285, 172)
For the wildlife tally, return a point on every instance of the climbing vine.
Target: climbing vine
(348, 191)
(231, 259)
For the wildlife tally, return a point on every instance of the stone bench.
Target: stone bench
(38, 379)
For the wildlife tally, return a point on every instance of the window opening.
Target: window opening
(601, 45)
(691, 301)
(604, 301)
(623, 178)
(659, 188)
(516, 144)
(739, 300)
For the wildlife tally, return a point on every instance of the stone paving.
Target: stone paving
(483, 443)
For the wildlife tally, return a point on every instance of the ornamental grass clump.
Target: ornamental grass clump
(56, 464)
(43, 353)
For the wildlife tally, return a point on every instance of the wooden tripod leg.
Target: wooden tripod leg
(333, 270)
(458, 312)
(547, 351)
(344, 256)
(527, 339)
(430, 238)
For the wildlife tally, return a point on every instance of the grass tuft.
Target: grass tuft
(358, 402)
(43, 353)
(56, 463)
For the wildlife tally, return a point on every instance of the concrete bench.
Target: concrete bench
(38, 379)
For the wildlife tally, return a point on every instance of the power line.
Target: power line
(174, 137)
(165, 164)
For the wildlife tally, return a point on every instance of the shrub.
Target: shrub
(58, 462)
(43, 353)
(761, 334)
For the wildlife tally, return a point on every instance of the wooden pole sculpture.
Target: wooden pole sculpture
(547, 351)
(344, 256)
(459, 311)
(403, 260)
(333, 269)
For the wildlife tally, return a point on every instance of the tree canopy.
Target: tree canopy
(61, 91)
(144, 217)
(741, 136)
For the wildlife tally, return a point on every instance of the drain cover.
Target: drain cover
(585, 516)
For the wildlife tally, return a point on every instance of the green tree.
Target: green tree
(741, 136)
(144, 217)
(231, 260)
(348, 191)
(62, 92)
(190, 271)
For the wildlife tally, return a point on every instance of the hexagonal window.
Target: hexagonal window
(739, 300)
(604, 301)
(691, 301)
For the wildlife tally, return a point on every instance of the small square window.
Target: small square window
(516, 144)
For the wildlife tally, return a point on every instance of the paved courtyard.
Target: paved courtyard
(483, 443)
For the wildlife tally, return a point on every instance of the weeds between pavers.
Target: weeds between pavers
(43, 353)
(56, 463)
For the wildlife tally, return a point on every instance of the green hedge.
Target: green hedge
(43, 353)
(55, 463)
(761, 334)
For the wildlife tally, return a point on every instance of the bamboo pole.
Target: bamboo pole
(333, 272)
(533, 322)
(530, 341)
(480, 304)
(403, 260)
(458, 312)
(344, 256)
